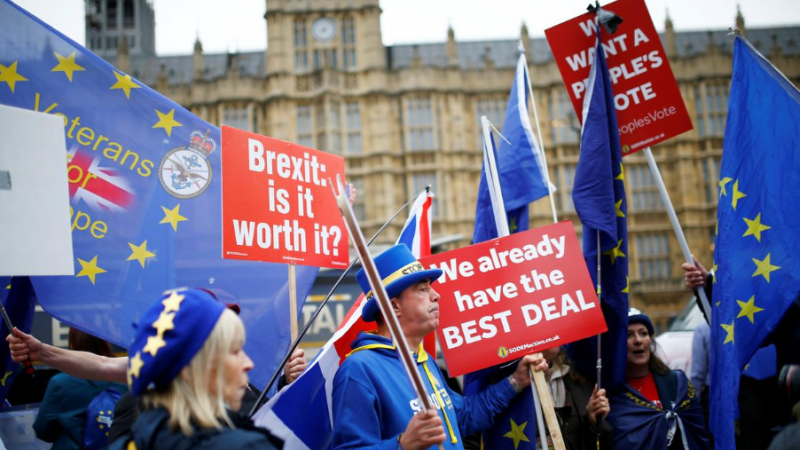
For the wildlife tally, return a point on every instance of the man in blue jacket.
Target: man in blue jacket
(374, 405)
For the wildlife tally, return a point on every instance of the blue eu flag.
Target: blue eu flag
(599, 197)
(520, 165)
(144, 189)
(757, 269)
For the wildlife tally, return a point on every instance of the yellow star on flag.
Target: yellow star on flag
(627, 285)
(154, 344)
(10, 76)
(714, 268)
(164, 323)
(125, 83)
(172, 216)
(615, 252)
(167, 121)
(755, 227)
(729, 330)
(764, 267)
(619, 208)
(140, 253)
(173, 302)
(136, 364)
(722, 183)
(517, 433)
(621, 175)
(67, 65)
(737, 194)
(89, 269)
(749, 309)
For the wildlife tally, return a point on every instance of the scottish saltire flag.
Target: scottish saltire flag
(301, 414)
(144, 178)
(520, 165)
(19, 300)
(758, 272)
(599, 196)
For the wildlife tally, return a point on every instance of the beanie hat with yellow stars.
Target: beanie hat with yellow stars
(169, 335)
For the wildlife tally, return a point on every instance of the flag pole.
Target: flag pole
(676, 225)
(322, 304)
(539, 135)
(599, 302)
(293, 300)
(542, 399)
(404, 351)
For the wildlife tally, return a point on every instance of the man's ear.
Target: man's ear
(396, 306)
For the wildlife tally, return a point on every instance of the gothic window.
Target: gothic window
(643, 190)
(353, 114)
(563, 179)
(564, 125)
(237, 117)
(419, 124)
(711, 179)
(111, 15)
(300, 46)
(711, 104)
(652, 250)
(335, 128)
(128, 19)
(348, 43)
(305, 135)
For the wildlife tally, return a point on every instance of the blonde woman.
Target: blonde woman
(188, 365)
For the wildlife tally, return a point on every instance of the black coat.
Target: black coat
(151, 432)
(575, 427)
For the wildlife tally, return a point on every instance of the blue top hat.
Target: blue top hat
(636, 316)
(398, 269)
(169, 335)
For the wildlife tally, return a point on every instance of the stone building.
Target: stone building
(406, 116)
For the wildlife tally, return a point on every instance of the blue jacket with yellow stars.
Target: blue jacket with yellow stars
(373, 400)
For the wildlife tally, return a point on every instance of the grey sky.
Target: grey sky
(239, 24)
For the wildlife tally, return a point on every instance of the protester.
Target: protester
(578, 404)
(658, 408)
(62, 414)
(190, 370)
(373, 402)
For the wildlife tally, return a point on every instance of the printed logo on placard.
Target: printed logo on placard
(502, 352)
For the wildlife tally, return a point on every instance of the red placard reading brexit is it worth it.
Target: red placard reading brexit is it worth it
(512, 296)
(649, 105)
(277, 204)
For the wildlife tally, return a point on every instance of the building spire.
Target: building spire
(669, 34)
(740, 21)
(452, 47)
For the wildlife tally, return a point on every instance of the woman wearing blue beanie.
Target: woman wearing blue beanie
(188, 365)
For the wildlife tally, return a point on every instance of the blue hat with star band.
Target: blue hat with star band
(169, 335)
(398, 269)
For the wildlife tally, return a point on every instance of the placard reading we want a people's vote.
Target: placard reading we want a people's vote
(508, 297)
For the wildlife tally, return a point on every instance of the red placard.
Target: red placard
(649, 104)
(509, 297)
(277, 204)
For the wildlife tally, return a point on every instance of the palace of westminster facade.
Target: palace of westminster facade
(407, 116)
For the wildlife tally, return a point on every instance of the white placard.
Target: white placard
(35, 235)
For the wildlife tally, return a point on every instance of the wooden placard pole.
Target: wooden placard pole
(293, 300)
(376, 284)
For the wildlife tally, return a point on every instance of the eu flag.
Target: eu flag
(520, 165)
(757, 270)
(599, 197)
(144, 192)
